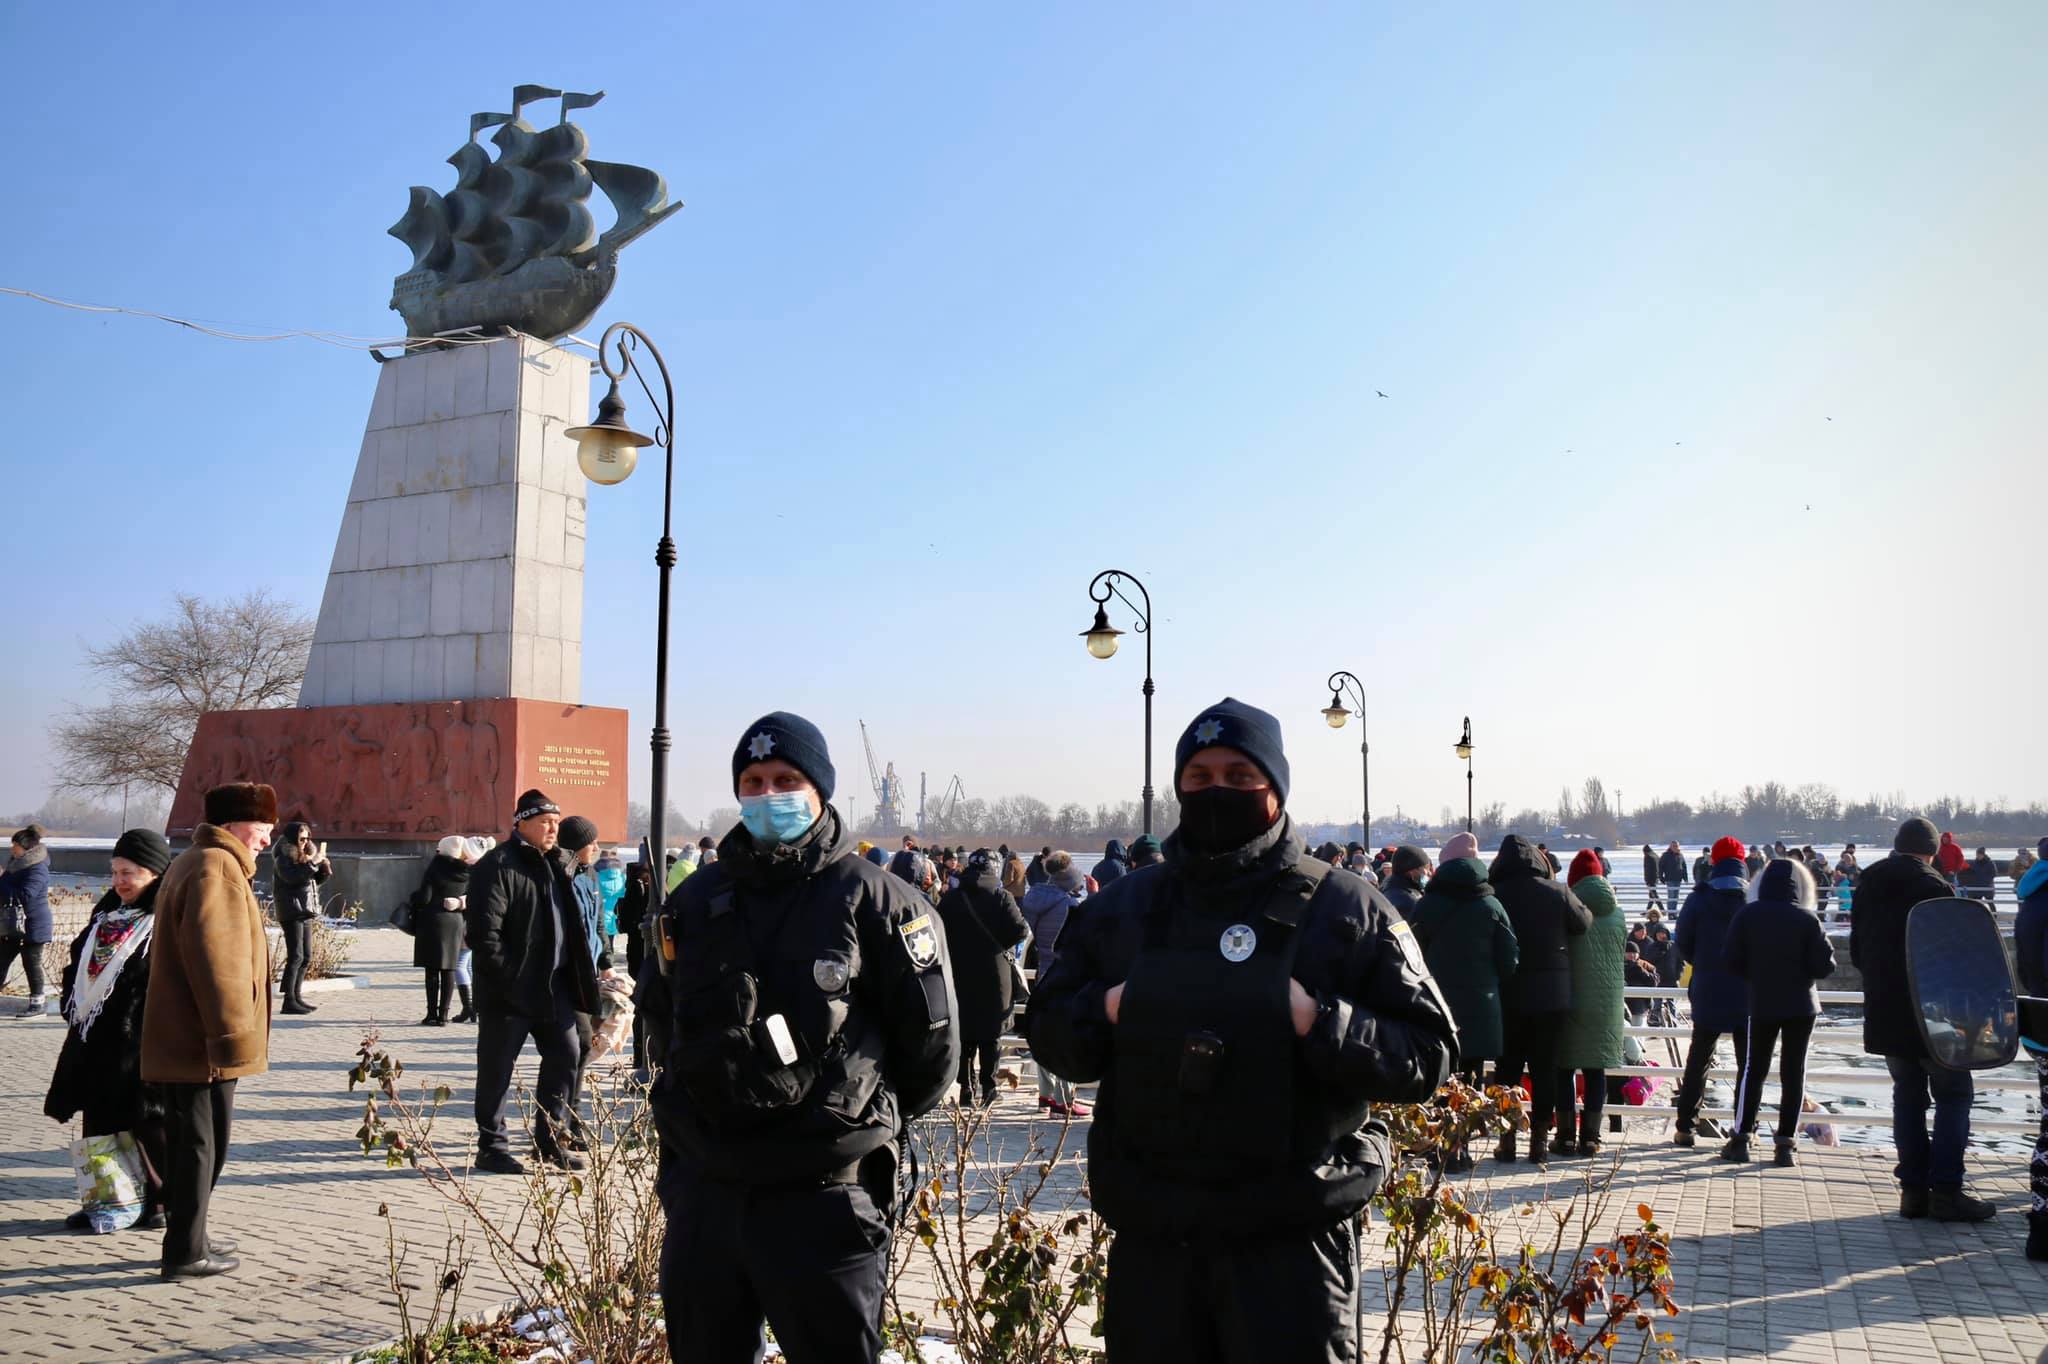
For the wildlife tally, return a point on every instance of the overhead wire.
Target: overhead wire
(341, 340)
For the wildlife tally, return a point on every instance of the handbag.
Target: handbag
(402, 918)
(13, 919)
(110, 1182)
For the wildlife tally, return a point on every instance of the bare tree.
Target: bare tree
(247, 653)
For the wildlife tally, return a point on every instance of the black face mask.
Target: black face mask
(1217, 819)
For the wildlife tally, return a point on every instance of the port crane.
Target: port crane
(887, 786)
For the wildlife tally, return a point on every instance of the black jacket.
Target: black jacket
(1782, 951)
(1385, 1034)
(852, 959)
(1544, 915)
(1719, 998)
(1877, 944)
(295, 887)
(1115, 862)
(437, 932)
(100, 1074)
(1649, 868)
(982, 924)
(1402, 895)
(1671, 867)
(520, 921)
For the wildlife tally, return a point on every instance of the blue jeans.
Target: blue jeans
(1923, 1163)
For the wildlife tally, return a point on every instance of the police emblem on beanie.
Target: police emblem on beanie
(795, 740)
(1230, 723)
(242, 802)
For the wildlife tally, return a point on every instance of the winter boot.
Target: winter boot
(1505, 1152)
(2037, 1236)
(434, 1018)
(468, 1014)
(1912, 1202)
(1953, 1205)
(1737, 1151)
(299, 1004)
(1539, 1148)
(289, 988)
(1683, 1137)
(1786, 1156)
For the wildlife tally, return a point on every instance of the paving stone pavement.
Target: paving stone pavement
(1807, 1265)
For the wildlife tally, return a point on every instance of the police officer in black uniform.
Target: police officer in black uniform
(812, 1018)
(1240, 1004)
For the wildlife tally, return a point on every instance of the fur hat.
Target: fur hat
(146, 848)
(795, 740)
(1460, 845)
(1918, 835)
(578, 833)
(1728, 849)
(241, 802)
(1230, 723)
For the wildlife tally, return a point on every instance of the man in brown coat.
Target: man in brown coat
(207, 1020)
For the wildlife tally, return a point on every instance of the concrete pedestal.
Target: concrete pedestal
(458, 571)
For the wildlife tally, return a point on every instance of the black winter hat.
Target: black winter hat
(1408, 858)
(1784, 881)
(1230, 723)
(795, 740)
(533, 804)
(146, 848)
(1918, 835)
(577, 833)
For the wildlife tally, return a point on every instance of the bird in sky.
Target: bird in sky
(1381, 394)
(1830, 418)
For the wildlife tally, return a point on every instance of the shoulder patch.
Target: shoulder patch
(920, 941)
(1411, 951)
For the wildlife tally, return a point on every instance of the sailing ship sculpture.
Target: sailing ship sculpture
(514, 244)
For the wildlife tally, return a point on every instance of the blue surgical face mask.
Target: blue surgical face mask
(778, 816)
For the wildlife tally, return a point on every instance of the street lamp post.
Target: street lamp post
(1336, 714)
(1465, 752)
(1102, 639)
(607, 451)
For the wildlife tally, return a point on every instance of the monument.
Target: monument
(446, 670)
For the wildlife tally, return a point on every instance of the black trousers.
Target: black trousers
(1764, 1034)
(197, 1119)
(1531, 1043)
(298, 944)
(500, 1037)
(31, 954)
(1692, 1086)
(1285, 1301)
(811, 1260)
(978, 1068)
(1568, 1104)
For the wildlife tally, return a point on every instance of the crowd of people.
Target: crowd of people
(798, 996)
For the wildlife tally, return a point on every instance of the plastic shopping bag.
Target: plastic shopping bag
(110, 1183)
(614, 1026)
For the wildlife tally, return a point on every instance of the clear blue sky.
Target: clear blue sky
(971, 301)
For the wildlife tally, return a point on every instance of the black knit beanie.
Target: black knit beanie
(533, 804)
(795, 740)
(577, 833)
(1231, 723)
(146, 848)
(1918, 835)
(1407, 858)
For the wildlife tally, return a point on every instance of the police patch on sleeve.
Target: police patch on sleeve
(1411, 951)
(1238, 942)
(920, 941)
(830, 974)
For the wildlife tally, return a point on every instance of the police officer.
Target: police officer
(812, 1019)
(1240, 1005)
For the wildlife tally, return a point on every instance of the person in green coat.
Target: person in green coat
(1469, 947)
(1591, 1039)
